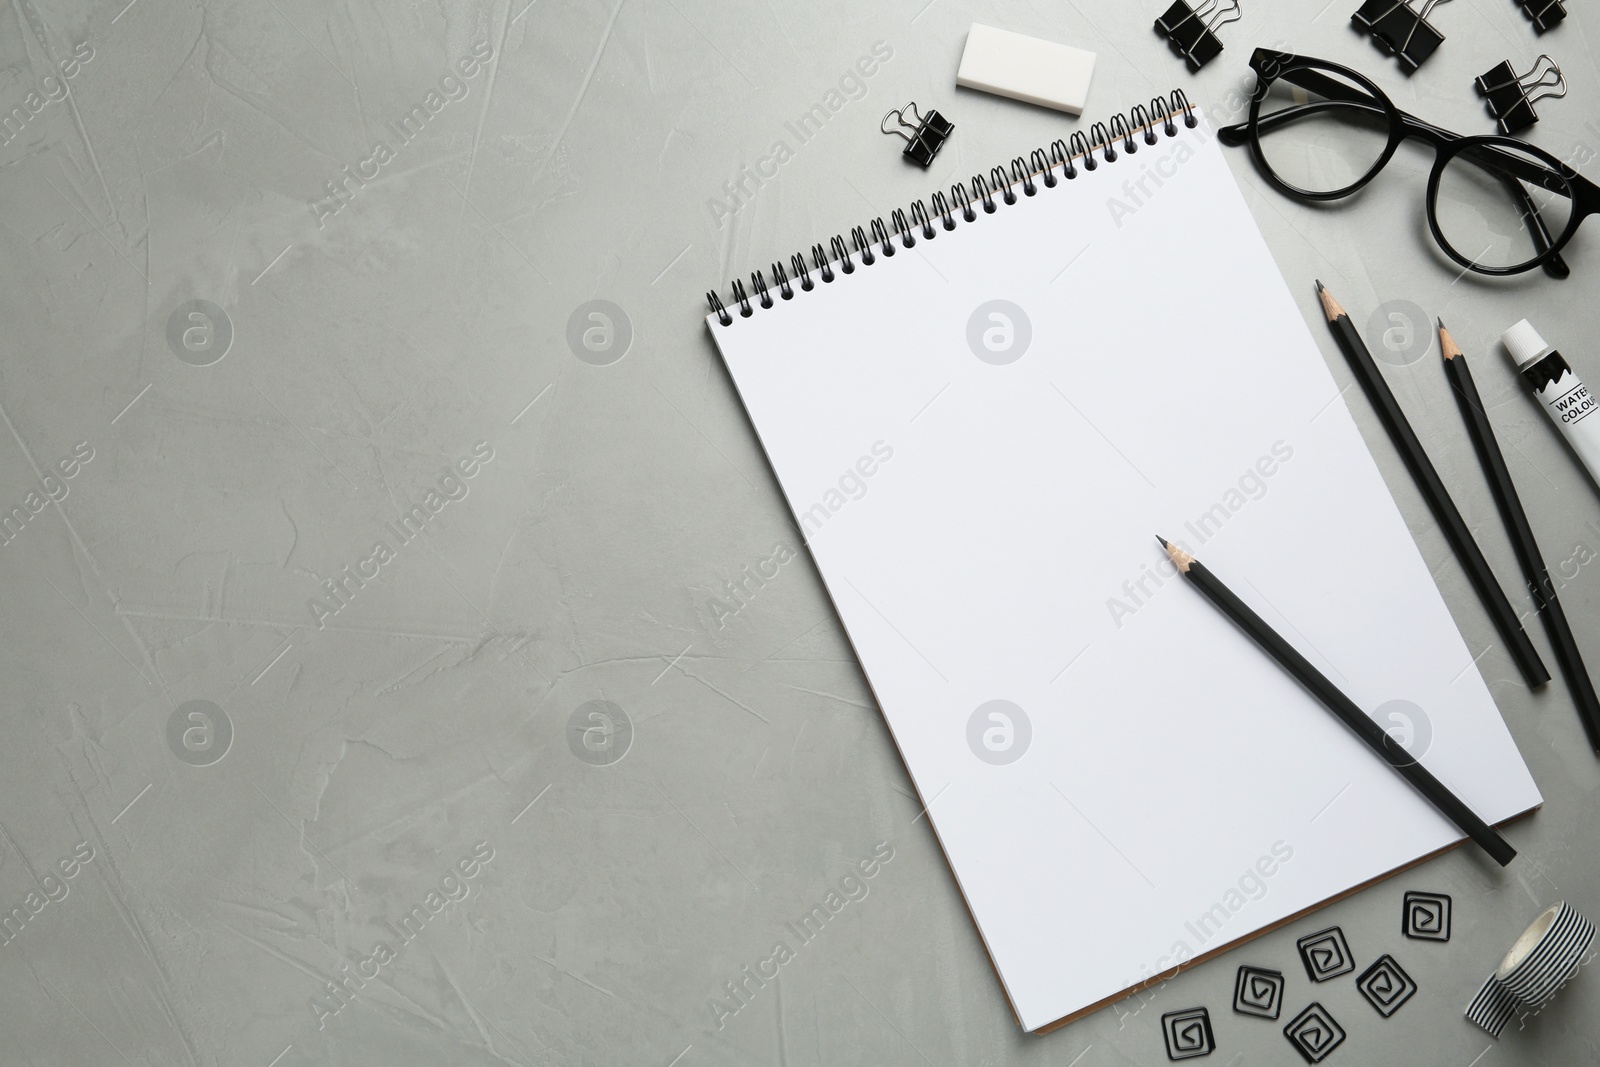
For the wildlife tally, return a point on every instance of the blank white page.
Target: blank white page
(1179, 791)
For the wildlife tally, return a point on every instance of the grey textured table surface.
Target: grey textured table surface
(414, 745)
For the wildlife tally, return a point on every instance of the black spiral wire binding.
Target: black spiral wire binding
(1141, 119)
(1099, 135)
(1164, 113)
(897, 219)
(717, 309)
(819, 259)
(960, 190)
(1063, 156)
(798, 263)
(1180, 99)
(1001, 186)
(1129, 145)
(881, 235)
(846, 265)
(1041, 163)
(981, 188)
(863, 247)
(1082, 149)
(1021, 174)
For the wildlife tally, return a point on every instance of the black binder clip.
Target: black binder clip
(1510, 96)
(1543, 13)
(1400, 31)
(928, 132)
(1192, 32)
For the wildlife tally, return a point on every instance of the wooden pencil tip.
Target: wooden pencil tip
(1447, 344)
(1177, 555)
(1330, 306)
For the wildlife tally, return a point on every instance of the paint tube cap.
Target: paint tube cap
(1524, 343)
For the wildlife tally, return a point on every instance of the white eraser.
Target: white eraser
(1026, 68)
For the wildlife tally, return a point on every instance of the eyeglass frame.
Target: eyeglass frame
(1270, 65)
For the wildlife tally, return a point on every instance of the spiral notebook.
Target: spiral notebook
(981, 415)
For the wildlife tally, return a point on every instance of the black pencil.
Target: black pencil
(1433, 491)
(1568, 658)
(1349, 713)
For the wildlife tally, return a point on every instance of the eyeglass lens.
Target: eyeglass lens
(1319, 145)
(1500, 207)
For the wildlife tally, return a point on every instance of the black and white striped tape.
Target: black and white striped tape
(1545, 958)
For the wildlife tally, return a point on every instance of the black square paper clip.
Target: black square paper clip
(1399, 30)
(1544, 13)
(928, 132)
(1510, 96)
(1192, 32)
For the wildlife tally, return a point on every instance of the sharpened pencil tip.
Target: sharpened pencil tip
(1330, 306)
(1447, 344)
(1177, 555)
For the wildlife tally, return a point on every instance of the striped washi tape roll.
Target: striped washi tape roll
(1545, 958)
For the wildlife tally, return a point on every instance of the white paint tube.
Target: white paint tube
(1563, 394)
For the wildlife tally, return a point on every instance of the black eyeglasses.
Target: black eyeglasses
(1496, 205)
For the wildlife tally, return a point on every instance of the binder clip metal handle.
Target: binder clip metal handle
(1510, 96)
(1192, 32)
(928, 132)
(1399, 30)
(1544, 14)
